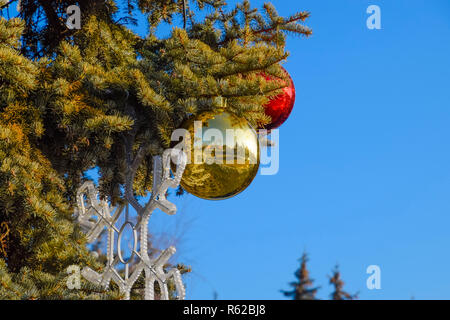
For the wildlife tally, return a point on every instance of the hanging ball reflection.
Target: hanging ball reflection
(223, 155)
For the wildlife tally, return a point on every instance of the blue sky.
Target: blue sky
(364, 165)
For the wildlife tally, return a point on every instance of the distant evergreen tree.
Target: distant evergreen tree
(338, 284)
(303, 288)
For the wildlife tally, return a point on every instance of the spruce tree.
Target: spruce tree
(338, 287)
(103, 97)
(303, 288)
(42, 239)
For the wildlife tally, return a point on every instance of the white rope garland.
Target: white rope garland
(95, 215)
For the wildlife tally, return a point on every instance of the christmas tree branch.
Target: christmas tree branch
(301, 17)
(131, 174)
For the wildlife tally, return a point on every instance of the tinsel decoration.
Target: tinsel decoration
(94, 215)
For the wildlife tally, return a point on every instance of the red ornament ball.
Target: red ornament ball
(280, 107)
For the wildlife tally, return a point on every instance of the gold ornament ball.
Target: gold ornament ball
(223, 155)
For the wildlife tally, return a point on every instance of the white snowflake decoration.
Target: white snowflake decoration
(94, 215)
